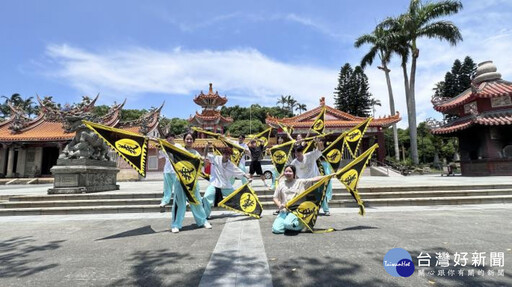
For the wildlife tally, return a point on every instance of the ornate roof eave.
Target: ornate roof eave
(48, 109)
(348, 121)
(113, 116)
(490, 118)
(18, 119)
(146, 123)
(490, 89)
(218, 118)
(220, 101)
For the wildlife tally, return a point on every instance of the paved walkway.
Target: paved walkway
(139, 250)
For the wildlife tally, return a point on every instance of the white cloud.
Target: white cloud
(245, 75)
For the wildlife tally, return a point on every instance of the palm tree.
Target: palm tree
(301, 108)
(406, 29)
(381, 46)
(374, 102)
(15, 100)
(292, 103)
(282, 100)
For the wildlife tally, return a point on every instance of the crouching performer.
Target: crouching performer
(222, 171)
(288, 187)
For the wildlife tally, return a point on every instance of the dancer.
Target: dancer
(179, 199)
(306, 163)
(328, 191)
(220, 182)
(256, 150)
(169, 173)
(288, 187)
(241, 165)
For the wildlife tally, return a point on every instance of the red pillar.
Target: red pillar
(381, 151)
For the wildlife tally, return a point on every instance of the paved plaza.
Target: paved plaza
(138, 249)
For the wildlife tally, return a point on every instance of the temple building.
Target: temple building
(482, 121)
(337, 122)
(210, 118)
(30, 147)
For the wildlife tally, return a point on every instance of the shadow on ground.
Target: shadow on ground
(19, 256)
(147, 270)
(309, 271)
(134, 232)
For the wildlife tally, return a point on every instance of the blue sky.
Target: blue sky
(252, 51)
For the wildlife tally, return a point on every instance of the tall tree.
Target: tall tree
(457, 80)
(16, 100)
(301, 108)
(374, 102)
(342, 92)
(381, 46)
(416, 23)
(292, 103)
(283, 100)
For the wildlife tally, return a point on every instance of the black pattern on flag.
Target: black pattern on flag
(243, 200)
(351, 173)
(280, 154)
(132, 147)
(355, 135)
(238, 151)
(307, 204)
(319, 123)
(264, 136)
(204, 175)
(334, 152)
(187, 167)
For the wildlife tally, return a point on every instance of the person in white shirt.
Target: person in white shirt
(169, 173)
(306, 163)
(222, 170)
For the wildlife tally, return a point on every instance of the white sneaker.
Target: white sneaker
(175, 230)
(207, 225)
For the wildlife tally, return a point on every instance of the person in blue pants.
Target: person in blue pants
(169, 173)
(220, 179)
(328, 191)
(288, 187)
(241, 165)
(179, 204)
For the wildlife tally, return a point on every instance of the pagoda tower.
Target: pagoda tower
(210, 118)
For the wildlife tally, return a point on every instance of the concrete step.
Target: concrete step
(88, 199)
(148, 202)
(107, 209)
(434, 187)
(88, 196)
(90, 202)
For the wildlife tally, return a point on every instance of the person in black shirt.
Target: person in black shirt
(256, 150)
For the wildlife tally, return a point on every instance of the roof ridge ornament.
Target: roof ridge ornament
(486, 71)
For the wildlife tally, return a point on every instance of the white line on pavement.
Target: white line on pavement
(239, 258)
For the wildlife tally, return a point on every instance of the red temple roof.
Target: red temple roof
(210, 116)
(491, 118)
(211, 99)
(333, 119)
(482, 90)
(49, 128)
